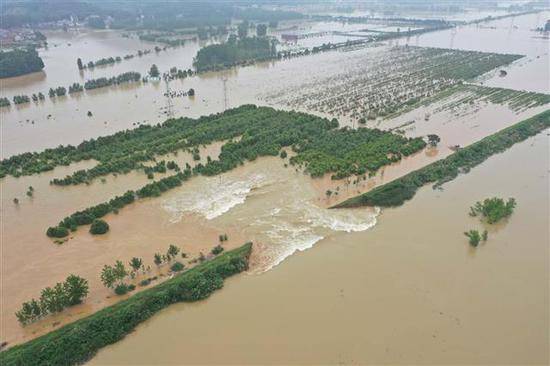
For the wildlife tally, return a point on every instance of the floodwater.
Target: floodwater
(278, 208)
(514, 35)
(35, 126)
(408, 291)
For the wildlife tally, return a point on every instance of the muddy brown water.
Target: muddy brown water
(408, 291)
(277, 207)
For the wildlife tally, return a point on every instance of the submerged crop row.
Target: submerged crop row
(77, 342)
(367, 86)
(396, 192)
(465, 97)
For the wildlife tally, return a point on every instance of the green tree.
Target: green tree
(29, 312)
(172, 251)
(120, 271)
(474, 237)
(136, 263)
(99, 227)
(108, 276)
(54, 299)
(57, 232)
(157, 259)
(154, 71)
(79, 63)
(76, 289)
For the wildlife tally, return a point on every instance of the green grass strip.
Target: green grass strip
(396, 192)
(77, 342)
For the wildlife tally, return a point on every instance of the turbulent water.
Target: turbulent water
(275, 209)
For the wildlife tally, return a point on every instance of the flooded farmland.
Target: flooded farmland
(364, 262)
(410, 290)
(117, 108)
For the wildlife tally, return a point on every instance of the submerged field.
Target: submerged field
(267, 175)
(372, 87)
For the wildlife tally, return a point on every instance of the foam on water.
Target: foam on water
(213, 199)
(280, 223)
(341, 219)
(299, 225)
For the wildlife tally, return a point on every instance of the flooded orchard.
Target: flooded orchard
(392, 269)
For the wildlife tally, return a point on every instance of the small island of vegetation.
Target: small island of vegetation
(493, 209)
(234, 52)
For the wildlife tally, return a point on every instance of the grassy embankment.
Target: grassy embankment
(396, 192)
(77, 342)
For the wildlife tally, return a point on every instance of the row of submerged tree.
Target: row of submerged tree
(90, 65)
(75, 289)
(396, 192)
(60, 91)
(78, 341)
(418, 75)
(92, 215)
(126, 77)
(54, 299)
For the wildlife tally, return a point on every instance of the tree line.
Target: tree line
(396, 192)
(77, 342)
(54, 299)
(126, 77)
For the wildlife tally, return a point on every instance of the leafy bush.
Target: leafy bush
(217, 249)
(177, 267)
(145, 282)
(57, 232)
(99, 227)
(121, 289)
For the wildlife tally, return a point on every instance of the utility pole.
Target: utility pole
(224, 80)
(169, 105)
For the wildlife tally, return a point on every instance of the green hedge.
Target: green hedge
(77, 342)
(395, 193)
